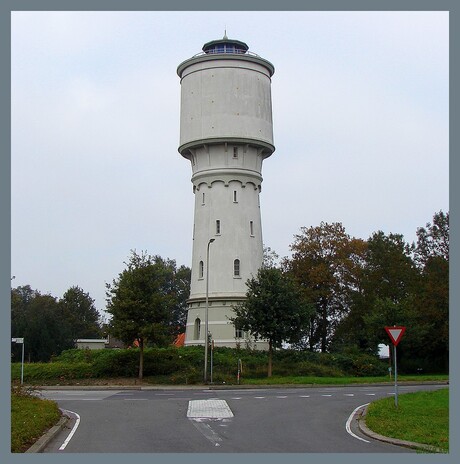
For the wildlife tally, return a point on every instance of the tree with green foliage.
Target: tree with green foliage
(387, 280)
(431, 301)
(81, 314)
(182, 292)
(273, 310)
(433, 240)
(39, 319)
(144, 301)
(326, 263)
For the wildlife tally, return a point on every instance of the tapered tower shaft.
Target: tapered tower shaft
(226, 132)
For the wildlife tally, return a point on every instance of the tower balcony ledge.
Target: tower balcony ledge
(266, 147)
(247, 56)
(227, 175)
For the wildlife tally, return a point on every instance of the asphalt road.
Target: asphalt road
(284, 420)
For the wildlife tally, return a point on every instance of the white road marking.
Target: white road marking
(281, 397)
(349, 394)
(207, 431)
(304, 396)
(75, 427)
(202, 411)
(370, 394)
(210, 409)
(326, 395)
(348, 424)
(259, 397)
(237, 398)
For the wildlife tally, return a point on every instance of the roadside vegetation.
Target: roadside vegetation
(184, 366)
(421, 417)
(30, 418)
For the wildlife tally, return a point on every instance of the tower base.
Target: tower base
(221, 329)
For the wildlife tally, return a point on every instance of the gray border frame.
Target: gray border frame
(6, 6)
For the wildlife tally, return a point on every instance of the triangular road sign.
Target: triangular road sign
(395, 333)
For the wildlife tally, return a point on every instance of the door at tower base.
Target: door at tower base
(221, 330)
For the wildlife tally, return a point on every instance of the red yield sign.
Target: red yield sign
(395, 333)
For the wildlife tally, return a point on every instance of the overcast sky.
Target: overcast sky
(360, 110)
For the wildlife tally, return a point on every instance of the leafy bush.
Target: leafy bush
(185, 364)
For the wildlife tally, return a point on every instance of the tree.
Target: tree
(39, 320)
(81, 314)
(433, 241)
(273, 310)
(387, 280)
(270, 257)
(431, 302)
(326, 264)
(142, 302)
(182, 291)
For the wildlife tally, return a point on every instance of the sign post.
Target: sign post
(395, 333)
(21, 341)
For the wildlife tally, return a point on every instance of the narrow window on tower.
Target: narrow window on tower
(235, 152)
(202, 199)
(201, 270)
(239, 333)
(236, 268)
(197, 329)
(251, 228)
(235, 198)
(218, 227)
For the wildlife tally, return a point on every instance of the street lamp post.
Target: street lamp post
(206, 315)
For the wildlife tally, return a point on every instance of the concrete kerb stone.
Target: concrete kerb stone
(43, 441)
(394, 441)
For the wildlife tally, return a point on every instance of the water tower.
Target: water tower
(226, 132)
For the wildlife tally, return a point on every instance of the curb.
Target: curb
(394, 441)
(43, 441)
(223, 386)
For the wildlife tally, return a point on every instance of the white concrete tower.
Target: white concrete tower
(226, 132)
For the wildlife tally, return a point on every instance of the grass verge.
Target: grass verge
(31, 417)
(421, 417)
(311, 380)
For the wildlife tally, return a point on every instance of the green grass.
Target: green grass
(421, 417)
(30, 418)
(310, 380)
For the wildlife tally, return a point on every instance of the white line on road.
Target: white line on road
(211, 409)
(304, 396)
(281, 397)
(75, 427)
(348, 424)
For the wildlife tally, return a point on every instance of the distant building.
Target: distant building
(91, 343)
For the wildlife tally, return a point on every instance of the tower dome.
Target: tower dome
(225, 45)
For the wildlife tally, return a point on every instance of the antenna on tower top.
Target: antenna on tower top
(225, 33)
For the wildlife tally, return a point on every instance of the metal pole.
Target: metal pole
(206, 315)
(22, 365)
(396, 381)
(212, 355)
